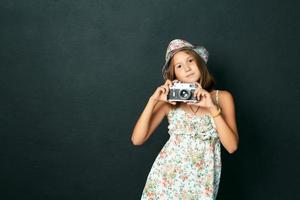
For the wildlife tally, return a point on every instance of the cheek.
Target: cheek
(176, 72)
(197, 69)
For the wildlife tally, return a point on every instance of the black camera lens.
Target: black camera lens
(184, 94)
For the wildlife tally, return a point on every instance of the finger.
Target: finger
(166, 88)
(161, 90)
(197, 84)
(195, 93)
(205, 94)
(198, 90)
(168, 82)
(198, 96)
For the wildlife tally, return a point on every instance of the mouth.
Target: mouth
(189, 75)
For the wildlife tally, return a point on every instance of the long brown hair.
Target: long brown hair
(206, 80)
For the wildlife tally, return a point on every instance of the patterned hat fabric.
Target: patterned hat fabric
(180, 44)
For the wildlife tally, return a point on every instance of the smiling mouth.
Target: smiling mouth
(190, 75)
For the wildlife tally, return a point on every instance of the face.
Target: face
(185, 67)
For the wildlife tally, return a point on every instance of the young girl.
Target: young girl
(189, 164)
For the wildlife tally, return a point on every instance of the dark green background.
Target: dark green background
(76, 75)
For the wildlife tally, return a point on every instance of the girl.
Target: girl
(189, 164)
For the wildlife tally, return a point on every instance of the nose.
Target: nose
(187, 68)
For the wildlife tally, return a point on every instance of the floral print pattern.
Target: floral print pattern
(188, 166)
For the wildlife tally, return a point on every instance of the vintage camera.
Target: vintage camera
(182, 92)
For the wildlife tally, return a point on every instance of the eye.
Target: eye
(191, 60)
(178, 66)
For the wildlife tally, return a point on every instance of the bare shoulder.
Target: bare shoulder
(226, 101)
(225, 98)
(225, 94)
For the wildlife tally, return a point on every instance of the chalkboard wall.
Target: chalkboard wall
(76, 75)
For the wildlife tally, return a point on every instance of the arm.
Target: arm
(151, 117)
(226, 122)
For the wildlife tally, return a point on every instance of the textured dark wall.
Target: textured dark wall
(76, 75)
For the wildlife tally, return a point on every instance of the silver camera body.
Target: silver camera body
(182, 92)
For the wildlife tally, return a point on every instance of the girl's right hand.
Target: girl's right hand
(162, 91)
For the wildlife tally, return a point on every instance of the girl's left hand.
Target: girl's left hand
(203, 97)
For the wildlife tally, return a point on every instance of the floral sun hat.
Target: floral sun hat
(180, 44)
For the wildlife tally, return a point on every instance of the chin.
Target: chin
(191, 80)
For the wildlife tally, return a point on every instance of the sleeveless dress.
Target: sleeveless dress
(188, 167)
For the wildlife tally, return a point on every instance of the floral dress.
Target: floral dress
(188, 166)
